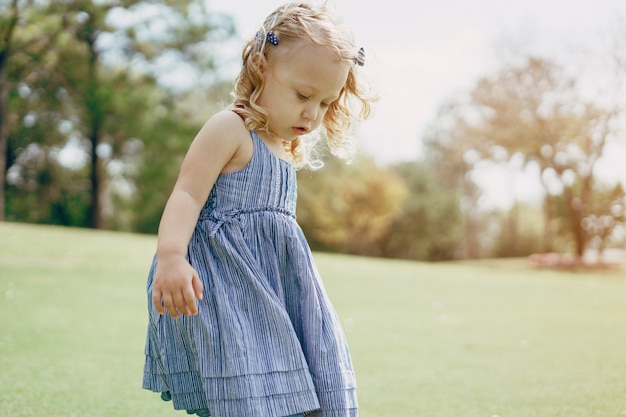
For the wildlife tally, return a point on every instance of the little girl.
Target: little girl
(239, 322)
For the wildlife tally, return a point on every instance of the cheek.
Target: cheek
(317, 122)
(324, 114)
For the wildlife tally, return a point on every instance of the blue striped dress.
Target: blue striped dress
(266, 341)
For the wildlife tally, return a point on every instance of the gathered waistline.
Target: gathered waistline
(231, 217)
(218, 215)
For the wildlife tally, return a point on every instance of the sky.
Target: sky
(421, 53)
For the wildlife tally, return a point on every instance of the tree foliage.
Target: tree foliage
(348, 208)
(28, 30)
(430, 224)
(96, 90)
(532, 113)
(450, 157)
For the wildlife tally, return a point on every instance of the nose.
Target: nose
(310, 111)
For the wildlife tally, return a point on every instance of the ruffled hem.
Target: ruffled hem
(275, 394)
(202, 412)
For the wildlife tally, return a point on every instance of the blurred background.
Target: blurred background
(500, 129)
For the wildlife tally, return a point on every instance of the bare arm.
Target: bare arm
(217, 148)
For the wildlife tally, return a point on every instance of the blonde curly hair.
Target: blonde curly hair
(304, 21)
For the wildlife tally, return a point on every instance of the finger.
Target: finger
(190, 300)
(198, 288)
(185, 310)
(168, 302)
(193, 292)
(180, 304)
(156, 300)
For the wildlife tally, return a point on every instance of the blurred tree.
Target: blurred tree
(154, 31)
(39, 187)
(527, 114)
(603, 217)
(430, 224)
(28, 29)
(607, 215)
(108, 62)
(348, 208)
(536, 112)
(450, 156)
(517, 231)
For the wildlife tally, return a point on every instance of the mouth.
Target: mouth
(300, 130)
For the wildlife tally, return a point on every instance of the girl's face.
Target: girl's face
(301, 81)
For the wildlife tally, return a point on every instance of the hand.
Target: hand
(176, 287)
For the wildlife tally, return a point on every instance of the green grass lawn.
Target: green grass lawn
(441, 340)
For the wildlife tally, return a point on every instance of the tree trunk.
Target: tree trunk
(513, 220)
(579, 207)
(4, 135)
(94, 115)
(548, 233)
(94, 218)
(576, 207)
(4, 103)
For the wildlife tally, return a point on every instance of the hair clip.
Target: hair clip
(271, 38)
(360, 59)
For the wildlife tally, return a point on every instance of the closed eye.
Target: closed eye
(303, 97)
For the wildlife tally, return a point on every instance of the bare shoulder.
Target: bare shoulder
(222, 145)
(225, 133)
